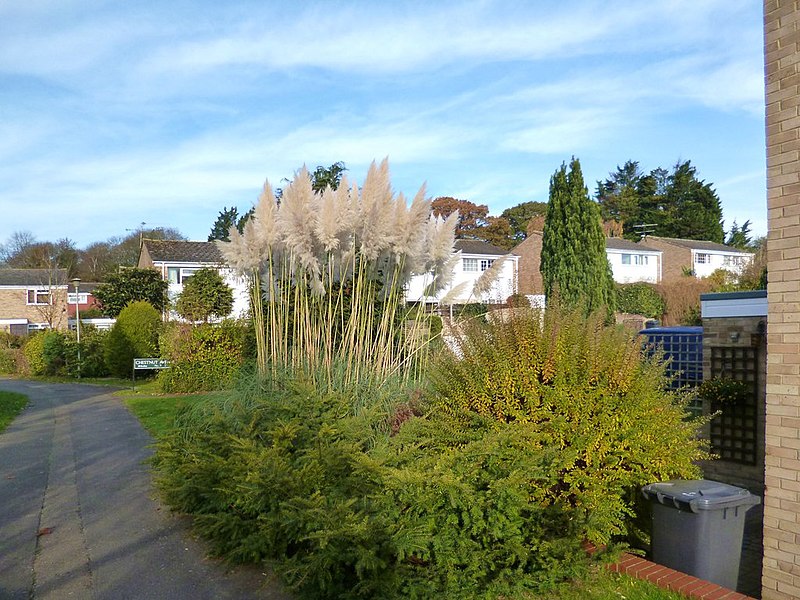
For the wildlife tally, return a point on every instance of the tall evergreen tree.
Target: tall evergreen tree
(573, 264)
(675, 204)
(228, 217)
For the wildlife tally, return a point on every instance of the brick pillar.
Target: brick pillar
(781, 571)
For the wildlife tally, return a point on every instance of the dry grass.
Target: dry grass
(328, 270)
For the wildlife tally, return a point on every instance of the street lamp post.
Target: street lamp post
(76, 281)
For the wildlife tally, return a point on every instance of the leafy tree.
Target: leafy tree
(228, 217)
(739, 237)
(574, 265)
(497, 232)
(134, 335)
(677, 204)
(131, 285)
(693, 207)
(323, 177)
(472, 218)
(520, 215)
(205, 295)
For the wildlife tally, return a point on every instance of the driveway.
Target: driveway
(78, 514)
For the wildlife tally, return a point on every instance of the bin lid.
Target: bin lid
(699, 494)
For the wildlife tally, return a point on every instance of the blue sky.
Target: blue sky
(118, 113)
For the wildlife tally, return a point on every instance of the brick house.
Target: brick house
(178, 260)
(32, 299)
(698, 256)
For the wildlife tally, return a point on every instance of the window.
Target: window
(486, 264)
(179, 275)
(732, 261)
(634, 259)
(38, 297)
(470, 265)
(702, 259)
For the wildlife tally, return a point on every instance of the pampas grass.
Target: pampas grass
(328, 271)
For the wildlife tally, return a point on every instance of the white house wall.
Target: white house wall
(713, 260)
(239, 285)
(647, 270)
(504, 286)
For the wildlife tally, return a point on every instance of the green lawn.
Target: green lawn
(11, 404)
(157, 411)
(605, 585)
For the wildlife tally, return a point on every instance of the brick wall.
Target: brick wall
(13, 305)
(673, 260)
(530, 253)
(739, 333)
(781, 572)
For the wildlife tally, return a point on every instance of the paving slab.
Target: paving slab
(79, 517)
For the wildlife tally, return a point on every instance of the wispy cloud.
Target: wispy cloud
(179, 108)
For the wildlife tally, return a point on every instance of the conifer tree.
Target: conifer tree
(573, 264)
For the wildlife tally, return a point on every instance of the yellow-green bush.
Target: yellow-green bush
(33, 351)
(202, 357)
(589, 393)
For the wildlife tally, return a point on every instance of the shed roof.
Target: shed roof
(623, 244)
(699, 245)
(183, 251)
(479, 247)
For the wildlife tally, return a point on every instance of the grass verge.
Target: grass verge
(156, 411)
(605, 585)
(11, 404)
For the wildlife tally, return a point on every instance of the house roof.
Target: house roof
(33, 276)
(478, 247)
(623, 244)
(699, 245)
(182, 251)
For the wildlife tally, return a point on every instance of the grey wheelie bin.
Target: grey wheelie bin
(698, 527)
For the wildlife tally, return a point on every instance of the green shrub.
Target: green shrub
(92, 359)
(342, 509)
(33, 351)
(202, 358)
(640, 299)
(134, 335)
(589, 393)
(54, 353)
(285, 477)
(9, 361)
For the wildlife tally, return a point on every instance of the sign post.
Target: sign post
(147, 364)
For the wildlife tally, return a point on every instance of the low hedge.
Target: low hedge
(202, 357)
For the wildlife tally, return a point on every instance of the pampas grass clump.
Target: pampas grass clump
(328, 271)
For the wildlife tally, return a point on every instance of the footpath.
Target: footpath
(78, 514)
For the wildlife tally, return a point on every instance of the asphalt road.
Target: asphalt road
(78, 514)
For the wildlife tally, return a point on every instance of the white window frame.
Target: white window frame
(486, 263)
(702, 258)
(181, 274)
(469, 265)
(36, 293)
(626, 259)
